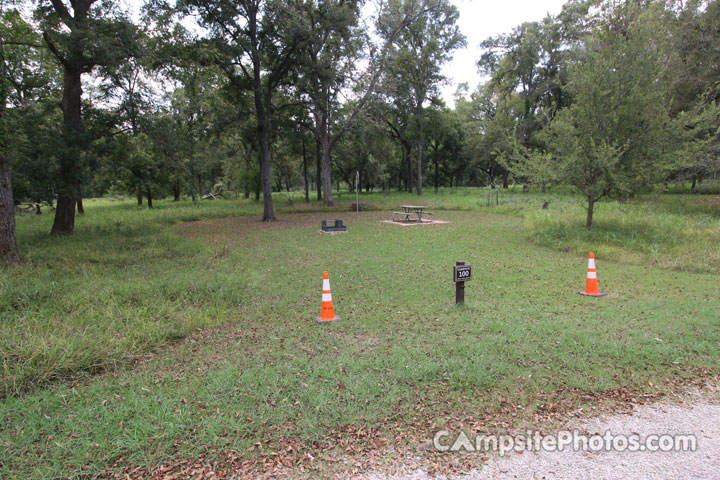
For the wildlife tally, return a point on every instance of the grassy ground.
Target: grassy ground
(403, 361)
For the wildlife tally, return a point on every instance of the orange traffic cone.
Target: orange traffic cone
(591, 285)
(327, 312)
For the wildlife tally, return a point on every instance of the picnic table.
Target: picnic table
(417, 210)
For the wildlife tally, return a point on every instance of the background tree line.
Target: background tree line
(197, 96)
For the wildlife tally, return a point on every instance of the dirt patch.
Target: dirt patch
(409, 224)
(232, 226)
(708, 201)
(245, 224)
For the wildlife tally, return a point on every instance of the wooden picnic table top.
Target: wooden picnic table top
(414, 207)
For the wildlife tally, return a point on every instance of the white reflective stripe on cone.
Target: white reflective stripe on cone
(326, 284)
(327, 297)
(591, 263)
(592, 275)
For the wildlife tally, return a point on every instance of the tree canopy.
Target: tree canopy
(198, 97)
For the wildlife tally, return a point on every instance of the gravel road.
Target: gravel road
(701, 419)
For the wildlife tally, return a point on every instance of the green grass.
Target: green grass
(130, 282)
(121, 285)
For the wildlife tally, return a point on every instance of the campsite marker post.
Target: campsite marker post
(461, 273)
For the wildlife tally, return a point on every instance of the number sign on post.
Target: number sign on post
(461, 273)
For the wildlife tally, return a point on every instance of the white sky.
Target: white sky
(480, 19)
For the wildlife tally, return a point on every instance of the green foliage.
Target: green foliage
(415, 59)
(29, 123)
(33, 151)
(615, 137)
(446, 141)
(32, 72)
(631, 73)
(92, 33)
(418, 53)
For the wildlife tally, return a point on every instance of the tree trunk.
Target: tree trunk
(436, 173)
(409, 169)
(263, 113)
(305, 175)
(543, 187)
(8, 242)
(268, 213)
(149, 198)
(139, 195)
(80, 208)
(321, 128)
(246, 186)
(506, 174)
(326, 177)
(176, 191)
(64, 222)
(590, 207)
(419, 113)
(9, 254)
(318, 168)
(419, 166)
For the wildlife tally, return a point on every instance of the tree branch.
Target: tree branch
(395, 132)
(290, 105)
(53, 48)
(62, 11)
(25, 44)
(407, 21)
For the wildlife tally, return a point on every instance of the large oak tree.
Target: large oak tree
(8, 243)
(418, 54)
(82, 35)
(256, 44)
(331, 47)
